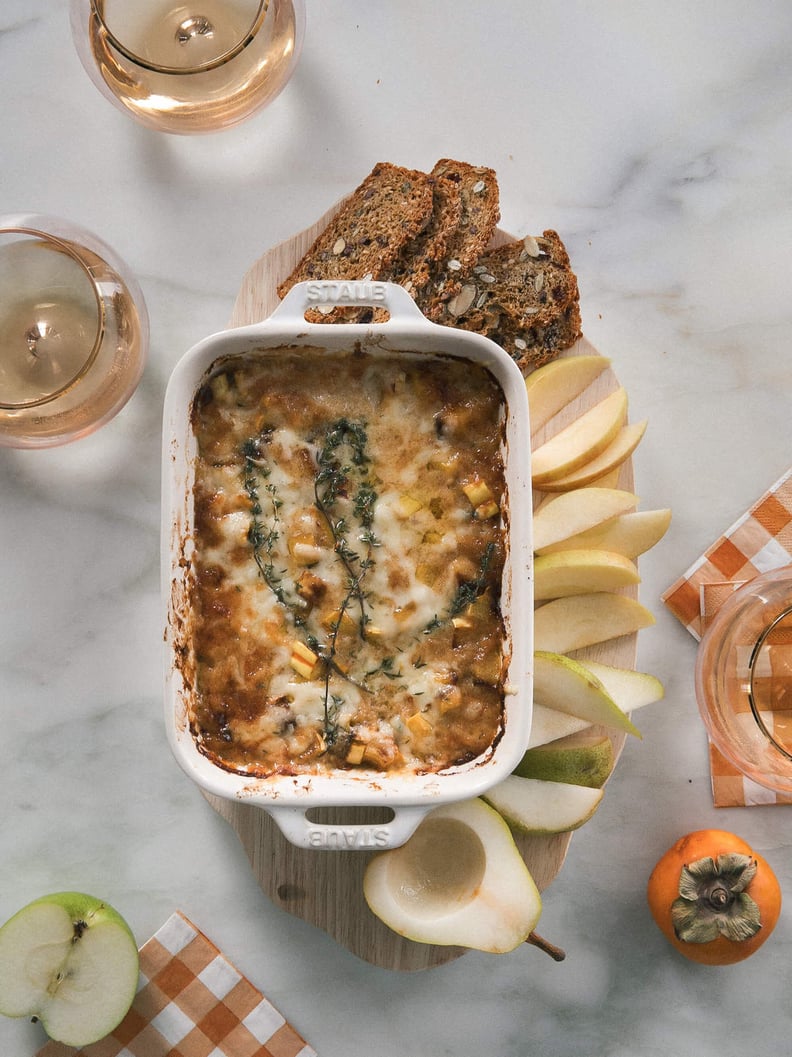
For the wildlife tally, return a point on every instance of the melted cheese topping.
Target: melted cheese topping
(349, 550)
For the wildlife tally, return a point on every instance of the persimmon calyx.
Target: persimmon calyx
(713, 902)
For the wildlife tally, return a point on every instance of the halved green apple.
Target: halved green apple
(71, 961)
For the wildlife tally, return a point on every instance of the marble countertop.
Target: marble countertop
(657, 139)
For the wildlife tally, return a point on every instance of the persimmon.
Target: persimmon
(714, 898)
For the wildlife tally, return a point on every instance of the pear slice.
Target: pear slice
(581, 572)
(618, 451)
(570, 514)
(459, 880)
(628, 688)
(557, 383)
(577, 621)
(548, 724)
(566, 685)
(585, 758)
(580, 441)
(71, 961)
(630, 534)
(539, 808)
(608, 480)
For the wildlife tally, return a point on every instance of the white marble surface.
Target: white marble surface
(657, 138)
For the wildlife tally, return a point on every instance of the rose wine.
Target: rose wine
(72, 340)
(197, 66)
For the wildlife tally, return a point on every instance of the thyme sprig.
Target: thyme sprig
(263, 534)
(345, 496)
(467, 592)
(343, 475)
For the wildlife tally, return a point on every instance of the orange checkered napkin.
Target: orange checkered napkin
(757, 542)
(192, 1002)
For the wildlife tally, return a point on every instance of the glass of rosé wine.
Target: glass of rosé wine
(73, 332)
(189, 67)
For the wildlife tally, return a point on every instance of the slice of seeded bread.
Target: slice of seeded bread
(422, 256)
(524, 296)
(389, 208)
(480, 213)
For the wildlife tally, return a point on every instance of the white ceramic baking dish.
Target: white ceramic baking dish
(408, 796)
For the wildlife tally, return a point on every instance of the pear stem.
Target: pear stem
(556, 953)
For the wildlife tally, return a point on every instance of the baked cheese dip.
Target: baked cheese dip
(350, 514)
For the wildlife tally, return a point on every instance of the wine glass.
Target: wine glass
(189, 67)
(73, 332)
(744, 679)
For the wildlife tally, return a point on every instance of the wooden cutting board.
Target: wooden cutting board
(325, 888)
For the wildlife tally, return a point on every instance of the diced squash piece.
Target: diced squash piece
(406, 505)
(356, 752)
(345, 621)
(478, 492)
(419, 724)
(303, 659)
(484, 511)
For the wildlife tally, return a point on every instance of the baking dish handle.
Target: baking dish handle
(359, 294)
(299, 830)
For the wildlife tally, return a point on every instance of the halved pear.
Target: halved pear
(557, 383)
(459, 880)
(539, 808)
(618, 451)
(581, 572)
(565, 684)
(628, 688)
(585, 758)
(580, 441)
(630, 534)
(577, 621)
(574, 512)
(548, 724)
(70, 960)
